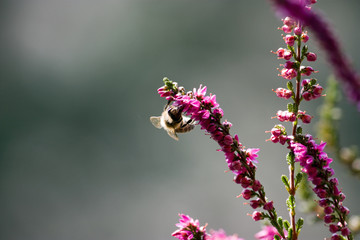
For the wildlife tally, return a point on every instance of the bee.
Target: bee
(173, 121)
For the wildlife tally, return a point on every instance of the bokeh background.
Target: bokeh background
(79, 158)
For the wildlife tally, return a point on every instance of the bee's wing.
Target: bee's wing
(172, 133)
(156, 121)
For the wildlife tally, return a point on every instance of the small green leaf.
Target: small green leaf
(280, 221)
(291, 48)
(290, 158)
(286, 224)
(299, 130)
(298, 179)
(285, 180)
(290, 107)
(277, 237)
(304, 50)
(299, 224)
(288, 203)
(290, 231)
(290, 86)
(312, 82)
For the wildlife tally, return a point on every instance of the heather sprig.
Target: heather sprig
(303, 153)
(241, 161)
(315, 163)
(300, 10)
(306, 89)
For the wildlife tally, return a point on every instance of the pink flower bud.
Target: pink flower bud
(288, 73)
(289, 21)
(283, 139)
(247, 194)
(245, 182)
(289, 40)
(289, 65)
(323, 202)
(305, 82)
(311, 57)
(329, 219)
(304, 37)
(238, 178)
(274, 139)
(257, 216)
(269, 206)
(256, 186)
(335, 237)
(307, 96)
(306, 118)
(345, 231)
(328, 210)
(228, 140)
(297, 31)
(280, 52)
(255, 203)
(307, 71)
(283, 93)
(287, 55)
(317, 90)
(333, 228)
(286, 29)
(276, 132)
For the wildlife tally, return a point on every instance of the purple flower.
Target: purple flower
(221, 235)
(267, 233)
(189, 229)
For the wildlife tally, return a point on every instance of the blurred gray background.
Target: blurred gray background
(79, 159)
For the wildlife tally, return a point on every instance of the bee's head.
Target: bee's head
(175, 112)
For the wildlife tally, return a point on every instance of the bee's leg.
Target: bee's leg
(166, 106)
